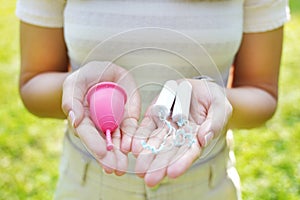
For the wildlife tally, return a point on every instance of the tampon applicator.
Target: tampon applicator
(165, 100)
(181, 107)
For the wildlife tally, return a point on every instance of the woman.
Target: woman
(139, 45)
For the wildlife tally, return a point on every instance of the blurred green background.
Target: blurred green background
(268, 158)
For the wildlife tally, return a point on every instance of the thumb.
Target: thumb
(215, 122)
(72, 100)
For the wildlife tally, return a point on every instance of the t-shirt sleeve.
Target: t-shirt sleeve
(47, 13)
(265, 15)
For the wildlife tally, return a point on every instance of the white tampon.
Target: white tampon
(165, 100)
(181, 108)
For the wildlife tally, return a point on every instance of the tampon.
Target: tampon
(165, 100)
(181, 108)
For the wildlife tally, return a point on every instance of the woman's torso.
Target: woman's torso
(156, 40)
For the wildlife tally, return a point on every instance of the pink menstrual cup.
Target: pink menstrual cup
(106, 101)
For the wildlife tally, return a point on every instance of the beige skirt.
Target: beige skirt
(81, 177)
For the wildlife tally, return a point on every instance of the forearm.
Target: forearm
(252, 106)
(42, 94)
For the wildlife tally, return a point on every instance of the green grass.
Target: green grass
(268, 158)
(29, 147)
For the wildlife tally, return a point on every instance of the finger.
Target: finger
(121, 158)
(72, 101)
(132, 110)
(143, 162)
(204, 132)
(146, 156)
(197, 111)
(96, 145)
(216, 120)
(108, 163)
(158, 168)
(183, 160)
(145, 129)
(219, 113)
(122, 163)
(128, 129)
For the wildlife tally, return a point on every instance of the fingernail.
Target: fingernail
(107, 172)
(72, 117)
(208, 138)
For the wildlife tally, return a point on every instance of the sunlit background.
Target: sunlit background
(268, 158)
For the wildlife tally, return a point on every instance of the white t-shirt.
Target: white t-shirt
(157, 40)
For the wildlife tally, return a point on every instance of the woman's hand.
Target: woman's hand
(209, 113)
(75, 105)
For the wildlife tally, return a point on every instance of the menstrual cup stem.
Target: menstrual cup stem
(109, 144)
